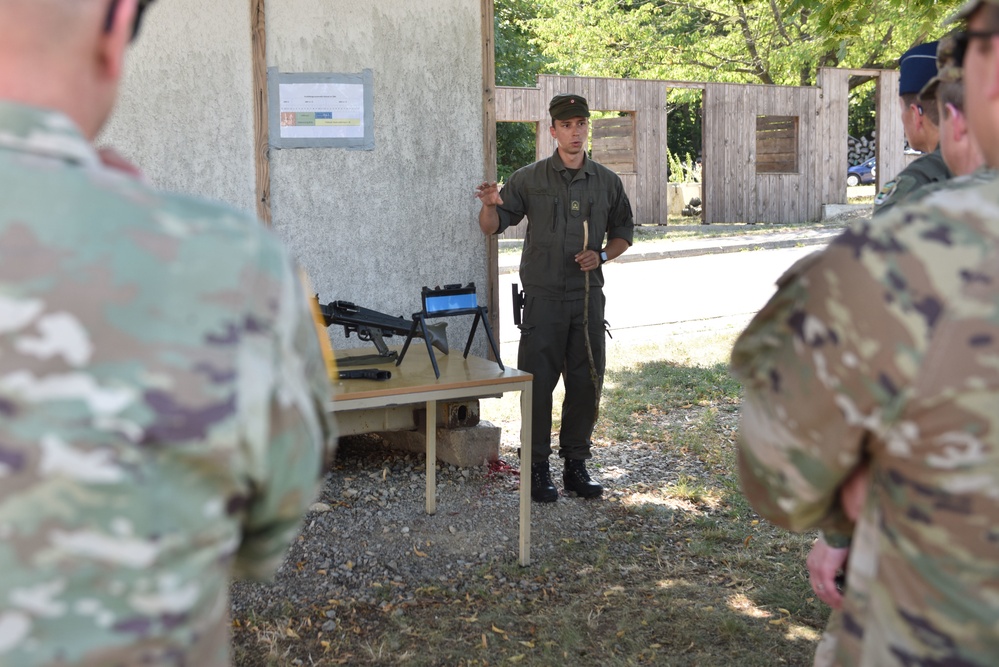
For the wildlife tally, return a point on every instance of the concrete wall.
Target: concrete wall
(680, 195)
(369, 226)
(185, 112)
(375, 226)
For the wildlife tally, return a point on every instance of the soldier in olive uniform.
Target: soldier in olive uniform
(921, 124)
(870, 392)
(161, 381)
(560, 195)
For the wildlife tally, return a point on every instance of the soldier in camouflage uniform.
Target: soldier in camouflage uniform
(964, 158)
(879, 353)
(161, 383)
(959, 148)
(921, 123)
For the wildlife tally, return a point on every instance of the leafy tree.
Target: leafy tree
(515, 147)
(518, 59)
(781, 42)
(861, 122)
(683, 127)
(518, 62)
(748, 41)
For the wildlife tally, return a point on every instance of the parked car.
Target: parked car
(862, 173)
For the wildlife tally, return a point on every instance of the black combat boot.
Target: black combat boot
(542, 489)
(578, 481)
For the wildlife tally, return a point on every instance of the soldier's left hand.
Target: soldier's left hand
(823, 563)
(588, 260)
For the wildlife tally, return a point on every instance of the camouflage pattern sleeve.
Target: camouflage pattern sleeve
(884, 349)
(162, 408)
(289, 429)
(819, 377)
(928, 169)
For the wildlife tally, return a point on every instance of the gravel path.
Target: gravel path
(369, 539)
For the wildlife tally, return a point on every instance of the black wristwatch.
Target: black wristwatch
(603, 256)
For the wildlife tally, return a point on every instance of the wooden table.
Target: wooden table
(413, 382)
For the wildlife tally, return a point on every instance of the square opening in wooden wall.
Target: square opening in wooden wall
(613, 140)
(776, 144)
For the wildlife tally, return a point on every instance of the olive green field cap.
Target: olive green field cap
(564, 106)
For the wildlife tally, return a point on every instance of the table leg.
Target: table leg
(525, 473)
(431, 457)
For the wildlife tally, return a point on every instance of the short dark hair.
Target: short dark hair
(927, 104)
(951, 92)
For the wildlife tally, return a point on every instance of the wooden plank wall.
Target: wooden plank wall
(726, 157)
(644, 98)
(733, 191)
(831, 145)
(518, 105)
(652, 167)
(777, 144)
(890, 152)
(613, 142)
(489, 156)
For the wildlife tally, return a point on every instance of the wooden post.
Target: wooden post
(489, 156)
(260, 132)
(890, 148)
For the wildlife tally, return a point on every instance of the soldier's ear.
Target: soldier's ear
(958, 123)
(116, 37)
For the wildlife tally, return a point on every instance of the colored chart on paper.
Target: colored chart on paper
(322, 110)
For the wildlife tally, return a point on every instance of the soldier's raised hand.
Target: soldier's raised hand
(488, 194)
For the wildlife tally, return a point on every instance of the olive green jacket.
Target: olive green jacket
(557, 204)
(930, 168)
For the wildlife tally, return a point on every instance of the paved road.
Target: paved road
(657, 298)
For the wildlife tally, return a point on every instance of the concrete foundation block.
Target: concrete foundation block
(834, 210)
(678, 195)
(456, 414)
(462, 447)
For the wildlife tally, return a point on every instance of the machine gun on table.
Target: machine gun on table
(373, 326)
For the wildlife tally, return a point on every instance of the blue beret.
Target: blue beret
(917, 66)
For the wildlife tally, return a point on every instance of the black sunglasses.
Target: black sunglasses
(963, 37)
(109, 21)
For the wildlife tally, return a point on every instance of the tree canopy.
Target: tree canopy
(741, 41)
(747, 41)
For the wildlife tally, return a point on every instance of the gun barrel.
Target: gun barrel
(372, 325)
